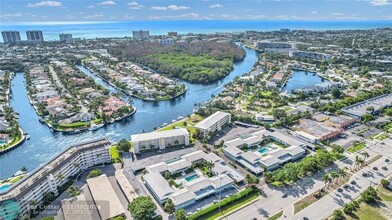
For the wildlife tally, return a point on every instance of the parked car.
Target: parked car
(215, 201)
(340, 190)
(387, 160)
(353, 182)
(284, 195)
(364, 174)
(198, 209)
(384, 168)
(375, 168)
(305, 218)
(346, 186)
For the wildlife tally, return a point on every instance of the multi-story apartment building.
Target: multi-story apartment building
(11, 36)
(167, 41)
(65, 37)
(160, 139)
(140, 35)
(55, 173)
(213, 123)
(34, 36)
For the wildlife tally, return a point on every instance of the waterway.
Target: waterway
(45, 144)
(301, 79)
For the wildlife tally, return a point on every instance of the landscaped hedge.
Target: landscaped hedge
(226, 202)
(74, 125)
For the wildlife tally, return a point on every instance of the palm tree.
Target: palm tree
(73, 191)
(326, 179)
(342, 173)
(365, 154)
(33, 205)
(334, 175)
(357, 159)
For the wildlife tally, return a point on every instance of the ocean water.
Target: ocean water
(51, 30)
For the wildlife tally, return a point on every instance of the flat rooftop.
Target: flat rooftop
(378, 102)
(103, 194)
(159, 134)
(38, 175)
(211, 120)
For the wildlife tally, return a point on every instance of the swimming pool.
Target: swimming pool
(191, 177)
(2, 142)
(4, 187)
(263, 150)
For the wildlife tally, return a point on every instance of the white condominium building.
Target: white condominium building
(214, 122)
(55, 173)
(160, 139)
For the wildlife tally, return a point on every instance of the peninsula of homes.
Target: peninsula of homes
(133, 79)
(10, 133)
(70, 101)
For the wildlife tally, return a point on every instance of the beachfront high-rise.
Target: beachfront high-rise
(34, 36)
(11, 36)
(65, 37)
(140, 35)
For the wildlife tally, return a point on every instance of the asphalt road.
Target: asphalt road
(323, 208)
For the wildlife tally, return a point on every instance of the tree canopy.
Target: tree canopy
(142, 208)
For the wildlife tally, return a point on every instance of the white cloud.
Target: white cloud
(158, 8)
(257, 17)
(380, 2)
(170, 7)
(313, 12)
(282, 17)
(93, 16)
(135, 6)
(45, 4)
(216, 6)
(230, 16)
(107, 3)
(286, 17)
(177, 7)
(337, 14)
(183, 16)
(11, 15)
(91, 6)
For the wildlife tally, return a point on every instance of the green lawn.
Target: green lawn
(372, 212)
(381, 136)
(229, 204)
(276, 216)
(366, 212)
(356, 148)
(75, 125)
(16, 179)
(190, 123)
(114, 154)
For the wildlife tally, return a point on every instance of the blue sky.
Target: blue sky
(116, 10)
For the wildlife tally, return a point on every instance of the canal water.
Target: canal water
(301, 79)
(45, 144)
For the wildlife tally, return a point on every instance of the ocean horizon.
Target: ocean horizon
(107, 29)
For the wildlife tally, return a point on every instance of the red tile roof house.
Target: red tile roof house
(4, 137)
(112, 104)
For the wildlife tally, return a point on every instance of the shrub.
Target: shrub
(226, 202)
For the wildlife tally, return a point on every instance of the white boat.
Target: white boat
(28, 137)
(164, 124)
(95, 127)
(174, 120)
(179, 118)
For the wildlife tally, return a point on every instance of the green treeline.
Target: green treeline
(201, 62)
